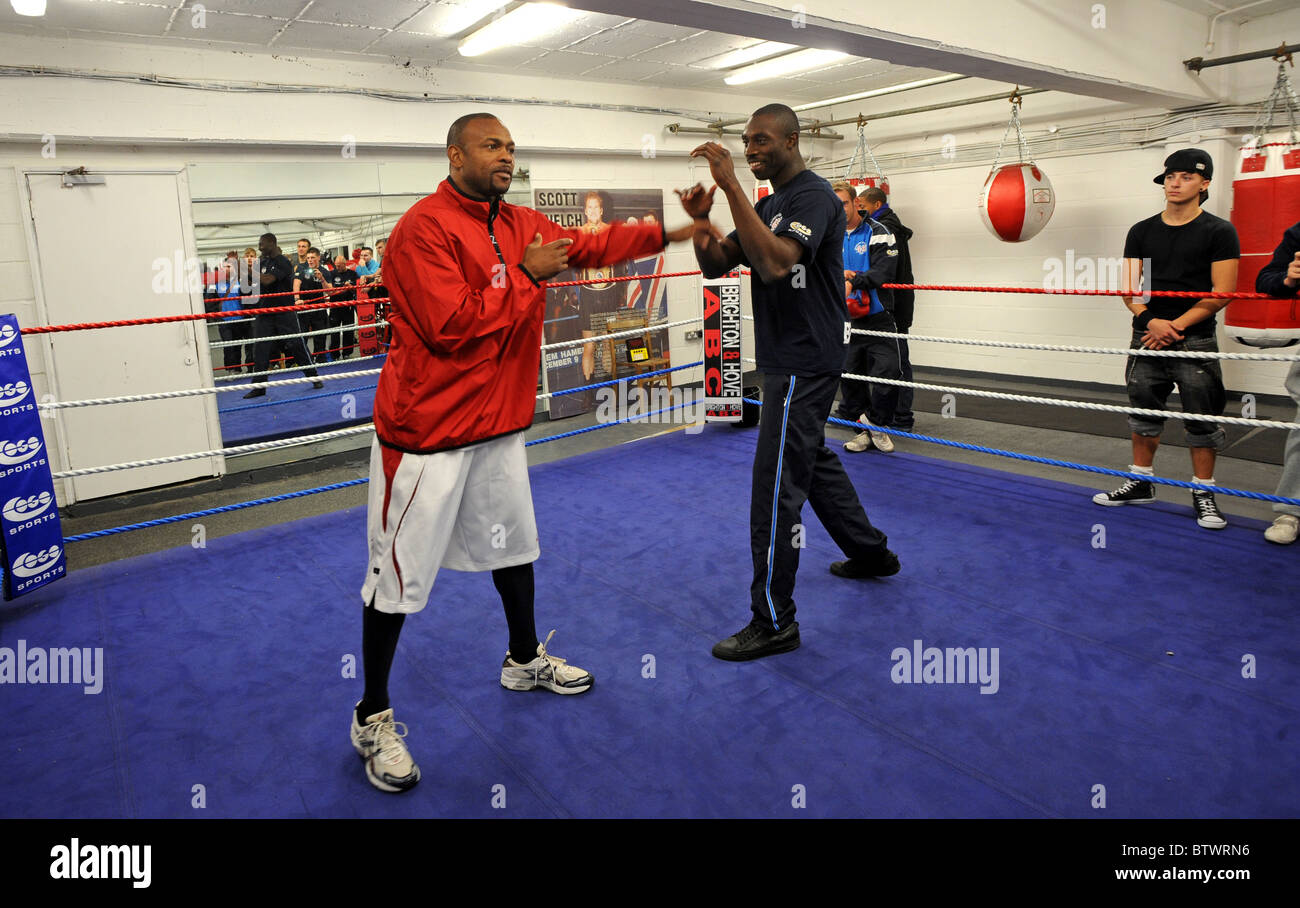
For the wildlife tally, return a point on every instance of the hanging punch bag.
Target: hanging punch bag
(1265, 202)
(1017, 200)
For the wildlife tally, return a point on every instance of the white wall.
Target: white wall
(131, 126)
(1099, 197)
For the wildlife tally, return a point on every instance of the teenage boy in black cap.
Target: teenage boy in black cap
(1182, 248)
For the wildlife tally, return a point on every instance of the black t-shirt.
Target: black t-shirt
(277, 277)
(1180, 259)
(342, 277)
(799, 320)
(307, 275)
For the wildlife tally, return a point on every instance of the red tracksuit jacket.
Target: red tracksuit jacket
(462, 366)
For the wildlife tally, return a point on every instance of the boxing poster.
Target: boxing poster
(723, 369)
(573, 313)
(31, 537)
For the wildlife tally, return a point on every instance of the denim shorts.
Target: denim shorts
(1151, 379)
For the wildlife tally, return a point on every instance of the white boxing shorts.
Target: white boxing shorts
(469, 509)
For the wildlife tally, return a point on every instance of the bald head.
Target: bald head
(456, 134)
(783, 118)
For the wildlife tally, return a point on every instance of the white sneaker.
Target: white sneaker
(1284, 530)
(859, 443)
(389, 766)
(545, 671)
(882, 441)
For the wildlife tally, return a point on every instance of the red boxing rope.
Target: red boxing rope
(1177, 294)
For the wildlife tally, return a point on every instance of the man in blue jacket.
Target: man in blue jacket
(870, 259)
(1281, 278)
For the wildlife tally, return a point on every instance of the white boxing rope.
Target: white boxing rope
(241, 449)
(1139, 351)
(1060, 348)
(1084, 405)
(196, 392)
(1077, 404)
(349, 360)
(631, 332)
(345, 327)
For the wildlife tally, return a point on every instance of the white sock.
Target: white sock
(1204, 482)
(1144, 471)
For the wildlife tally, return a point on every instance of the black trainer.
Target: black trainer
(317, 385)
(885, 564)
(1207, 511)
(256, 392)
(1133, 491)
(754, 641)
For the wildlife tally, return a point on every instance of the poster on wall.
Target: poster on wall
(573, 313)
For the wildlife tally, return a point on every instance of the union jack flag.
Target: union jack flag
(649, 288)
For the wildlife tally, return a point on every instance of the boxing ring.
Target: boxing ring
(228, 667)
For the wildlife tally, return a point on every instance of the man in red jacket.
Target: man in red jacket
(448, 474)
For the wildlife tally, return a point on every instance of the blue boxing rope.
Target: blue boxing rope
(1240, 493)
(193, 515)
(221, 510)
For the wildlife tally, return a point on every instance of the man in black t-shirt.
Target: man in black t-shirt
(792, 243)
(275, 275)
(308, 282)
(1182, 248)
(343, 282)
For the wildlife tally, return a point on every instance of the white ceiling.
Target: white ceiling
(594, 46)
(1255, 11)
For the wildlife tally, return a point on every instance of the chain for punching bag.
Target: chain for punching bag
(1282, 94)
(864, 152)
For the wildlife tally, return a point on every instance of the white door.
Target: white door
(99, 249)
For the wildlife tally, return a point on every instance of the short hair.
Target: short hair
(594, 194)
(875, 194)
(786, 119)
(313, 249)
(366, 249)
(269, 236)
(845, 186)
(232, 254)
(456, 134)
(382, 239)
(250, 251)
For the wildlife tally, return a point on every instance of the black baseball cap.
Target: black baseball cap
(1188, 160)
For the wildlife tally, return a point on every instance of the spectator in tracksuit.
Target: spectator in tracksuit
(1281, 278)
(870, 259)
(874, 204)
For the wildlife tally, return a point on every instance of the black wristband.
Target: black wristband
(1143, 319)
(528, 275)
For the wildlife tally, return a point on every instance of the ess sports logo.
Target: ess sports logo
(800, 229)
(20, 509)
(7, 335)
(13, 392)
(29, 564)
(19, 451)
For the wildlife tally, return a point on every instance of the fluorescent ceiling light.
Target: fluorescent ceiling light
(876, 92)
(532, 20)
(748, 54)
(28, 7)
(467, 14)
(799, 61)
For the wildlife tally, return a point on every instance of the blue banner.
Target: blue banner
(31, 538)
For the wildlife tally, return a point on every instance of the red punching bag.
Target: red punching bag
(1265, 202)
(1017, 200)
